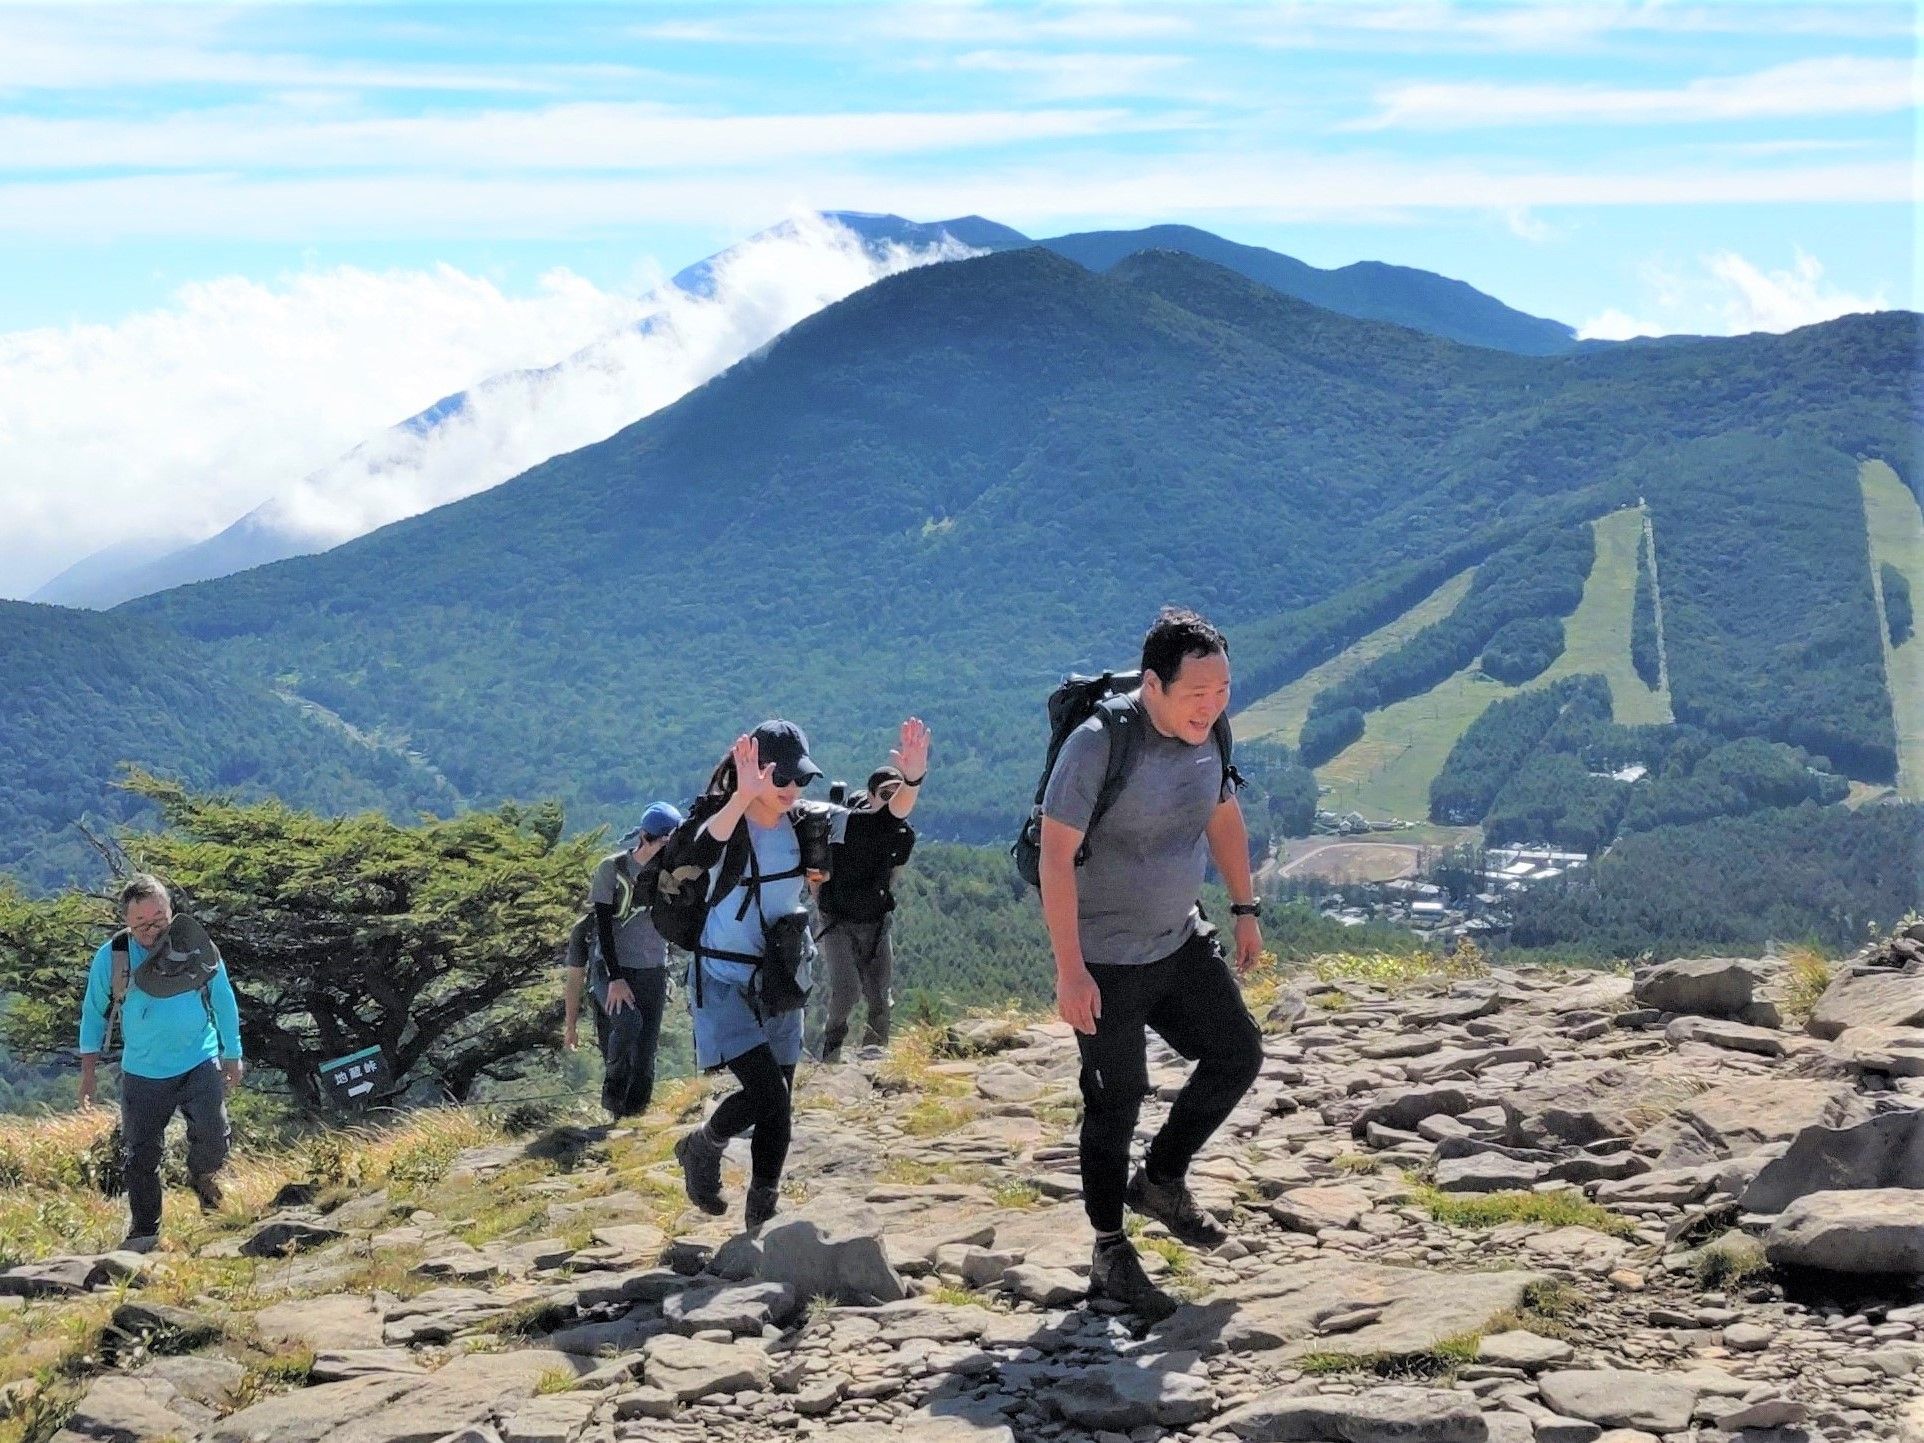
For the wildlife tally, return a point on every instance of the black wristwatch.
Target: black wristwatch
(1246, 909)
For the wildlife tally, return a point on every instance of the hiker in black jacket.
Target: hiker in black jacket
(856, 905)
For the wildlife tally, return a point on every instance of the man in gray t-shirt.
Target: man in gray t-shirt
(1131, 948)
(624, 961)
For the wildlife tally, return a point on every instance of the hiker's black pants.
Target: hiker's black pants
(860, 960)
(629, 1039)
(762, 1106)
(147, 1105)
(1192, 1001)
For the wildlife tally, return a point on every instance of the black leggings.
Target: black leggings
(1191, 999)
(762, 1106)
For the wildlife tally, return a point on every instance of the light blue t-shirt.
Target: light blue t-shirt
(776, 850)
(160, 1036)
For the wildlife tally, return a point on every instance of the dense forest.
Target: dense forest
(1735, 883)
(1646, 655)
(86, 693)
(1544, 765)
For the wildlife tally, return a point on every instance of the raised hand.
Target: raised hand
(911, 754)
(752, 779)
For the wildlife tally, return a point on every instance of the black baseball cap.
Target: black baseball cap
(786, 746)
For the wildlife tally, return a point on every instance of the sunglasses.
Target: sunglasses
(790, 781)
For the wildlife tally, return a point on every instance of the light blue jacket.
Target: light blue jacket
(160, 1036)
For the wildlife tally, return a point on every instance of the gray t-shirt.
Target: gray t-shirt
(637, 943)
(1136, 893)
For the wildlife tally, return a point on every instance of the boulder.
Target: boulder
(1868, 999)
(1740, 989)
(1869, 1232)
(1886, 1151)
(1617, 1398)
(165, 1329)
(1382, 1415)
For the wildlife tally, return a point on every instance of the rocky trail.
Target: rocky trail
(1526, 1207)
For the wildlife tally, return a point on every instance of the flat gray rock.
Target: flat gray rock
(1616, 1398)
(335, 1321)
(691, 1369)
(1487, 1172)
(1381, 1415)
(1328, 1205)
(1283, 1310)
(1518, 1349)
(1125, 1395)
(1868, 999)
(737, 1308)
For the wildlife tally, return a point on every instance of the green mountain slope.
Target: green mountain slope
(946, 490)
(85, 693)
(1370, 290)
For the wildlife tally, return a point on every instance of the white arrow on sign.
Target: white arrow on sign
(358, 1090)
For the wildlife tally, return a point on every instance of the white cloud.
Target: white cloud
(1614, 325)
(167, 426)
(1082, 75)
(633, 137)
(1762, 300)
(1838, 85)
(1056, 192)
(1727, 294)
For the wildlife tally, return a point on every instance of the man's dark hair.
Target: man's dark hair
(1177, 633)
(141, 887)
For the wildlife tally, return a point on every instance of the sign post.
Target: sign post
(354, 1080)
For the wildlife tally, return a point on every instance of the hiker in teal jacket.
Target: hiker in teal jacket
(179, 1054)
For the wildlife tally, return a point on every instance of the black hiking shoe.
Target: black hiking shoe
(139, 1243)
(701, 1167)
(1115, 1273)
(1174, 1206)
(207, 1188)
(762, 1204)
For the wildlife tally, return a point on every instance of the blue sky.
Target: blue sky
(238, 241)
(1650, 160)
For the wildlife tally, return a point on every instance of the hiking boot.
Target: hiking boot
(1174, 1206)
(207, 1188)
(701, 1166)
(138, 1243)
(1115, 1273)
(763, 1203)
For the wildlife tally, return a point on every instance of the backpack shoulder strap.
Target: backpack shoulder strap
(1226, 745)
(119, 952)
(1122, 721)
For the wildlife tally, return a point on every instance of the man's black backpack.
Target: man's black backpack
(1070, 705)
